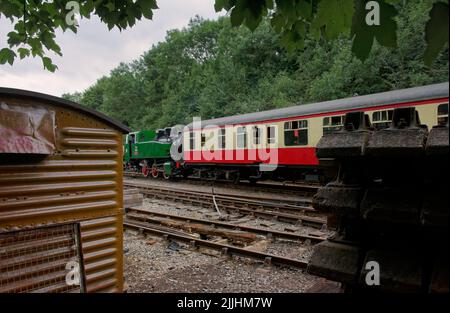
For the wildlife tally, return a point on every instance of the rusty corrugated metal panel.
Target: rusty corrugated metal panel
(63, 188)
(102, 251)
(80, 182)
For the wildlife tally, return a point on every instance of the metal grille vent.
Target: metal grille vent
(46, 259)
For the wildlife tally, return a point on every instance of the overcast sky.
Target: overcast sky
(94, 51)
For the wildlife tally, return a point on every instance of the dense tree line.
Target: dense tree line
(212, 69)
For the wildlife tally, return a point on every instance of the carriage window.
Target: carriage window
(241, 138)
(332, 123)
(192, 140)
(222, 138)
(382, 119)
(270, 134)
(203, 139)
(256, 135)
(296, 133)
(442, 114)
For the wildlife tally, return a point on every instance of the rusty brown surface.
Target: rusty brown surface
(29, 130)
(80, 181)
(102, 243)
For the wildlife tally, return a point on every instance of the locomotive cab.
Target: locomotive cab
(148, 151)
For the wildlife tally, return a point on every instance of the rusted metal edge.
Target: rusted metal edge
(232, 250)
(20, 93)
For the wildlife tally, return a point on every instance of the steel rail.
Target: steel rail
(233, 205)
(296, 204)
(262, 231)
(223, 248)
(304, 189)
(279, 205)
(224, 199)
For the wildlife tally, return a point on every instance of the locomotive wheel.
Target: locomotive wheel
(167, 177)
(145, 171)
(154, 171)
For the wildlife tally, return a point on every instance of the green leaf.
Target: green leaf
(87, 8)
(110, 6)
(147, 5)
(7, 55)
(23, 53)
(11, 8)
(362, 44)
(236, 17)
(269, 4)
(148, 14)
(249, 13)
(334, 17)
(48, 41)
(219, 5)
(295, 38)
(287, 11)
(304, 9)
(278, 22)
(20, 27)
(48, 64)
(364, 35)
(36, 46)
(386, 33)
(436, 32)
(50, 8)
(14, 39)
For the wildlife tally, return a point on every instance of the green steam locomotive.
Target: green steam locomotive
(148, 152)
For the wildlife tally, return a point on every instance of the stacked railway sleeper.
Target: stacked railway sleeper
(388, 205)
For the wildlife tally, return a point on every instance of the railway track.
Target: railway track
(225, 249)
(159, 218)
(263, 209)
(300, 189)
(302, 204)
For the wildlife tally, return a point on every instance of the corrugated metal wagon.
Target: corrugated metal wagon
(60, 196)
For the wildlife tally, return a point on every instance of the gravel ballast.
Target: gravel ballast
(150, 266)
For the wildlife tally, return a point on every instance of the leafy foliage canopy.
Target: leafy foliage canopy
(36, 21)
(212, 69)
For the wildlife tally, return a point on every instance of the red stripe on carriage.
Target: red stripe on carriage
(279, 156)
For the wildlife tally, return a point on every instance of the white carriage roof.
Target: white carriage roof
(422, 93)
